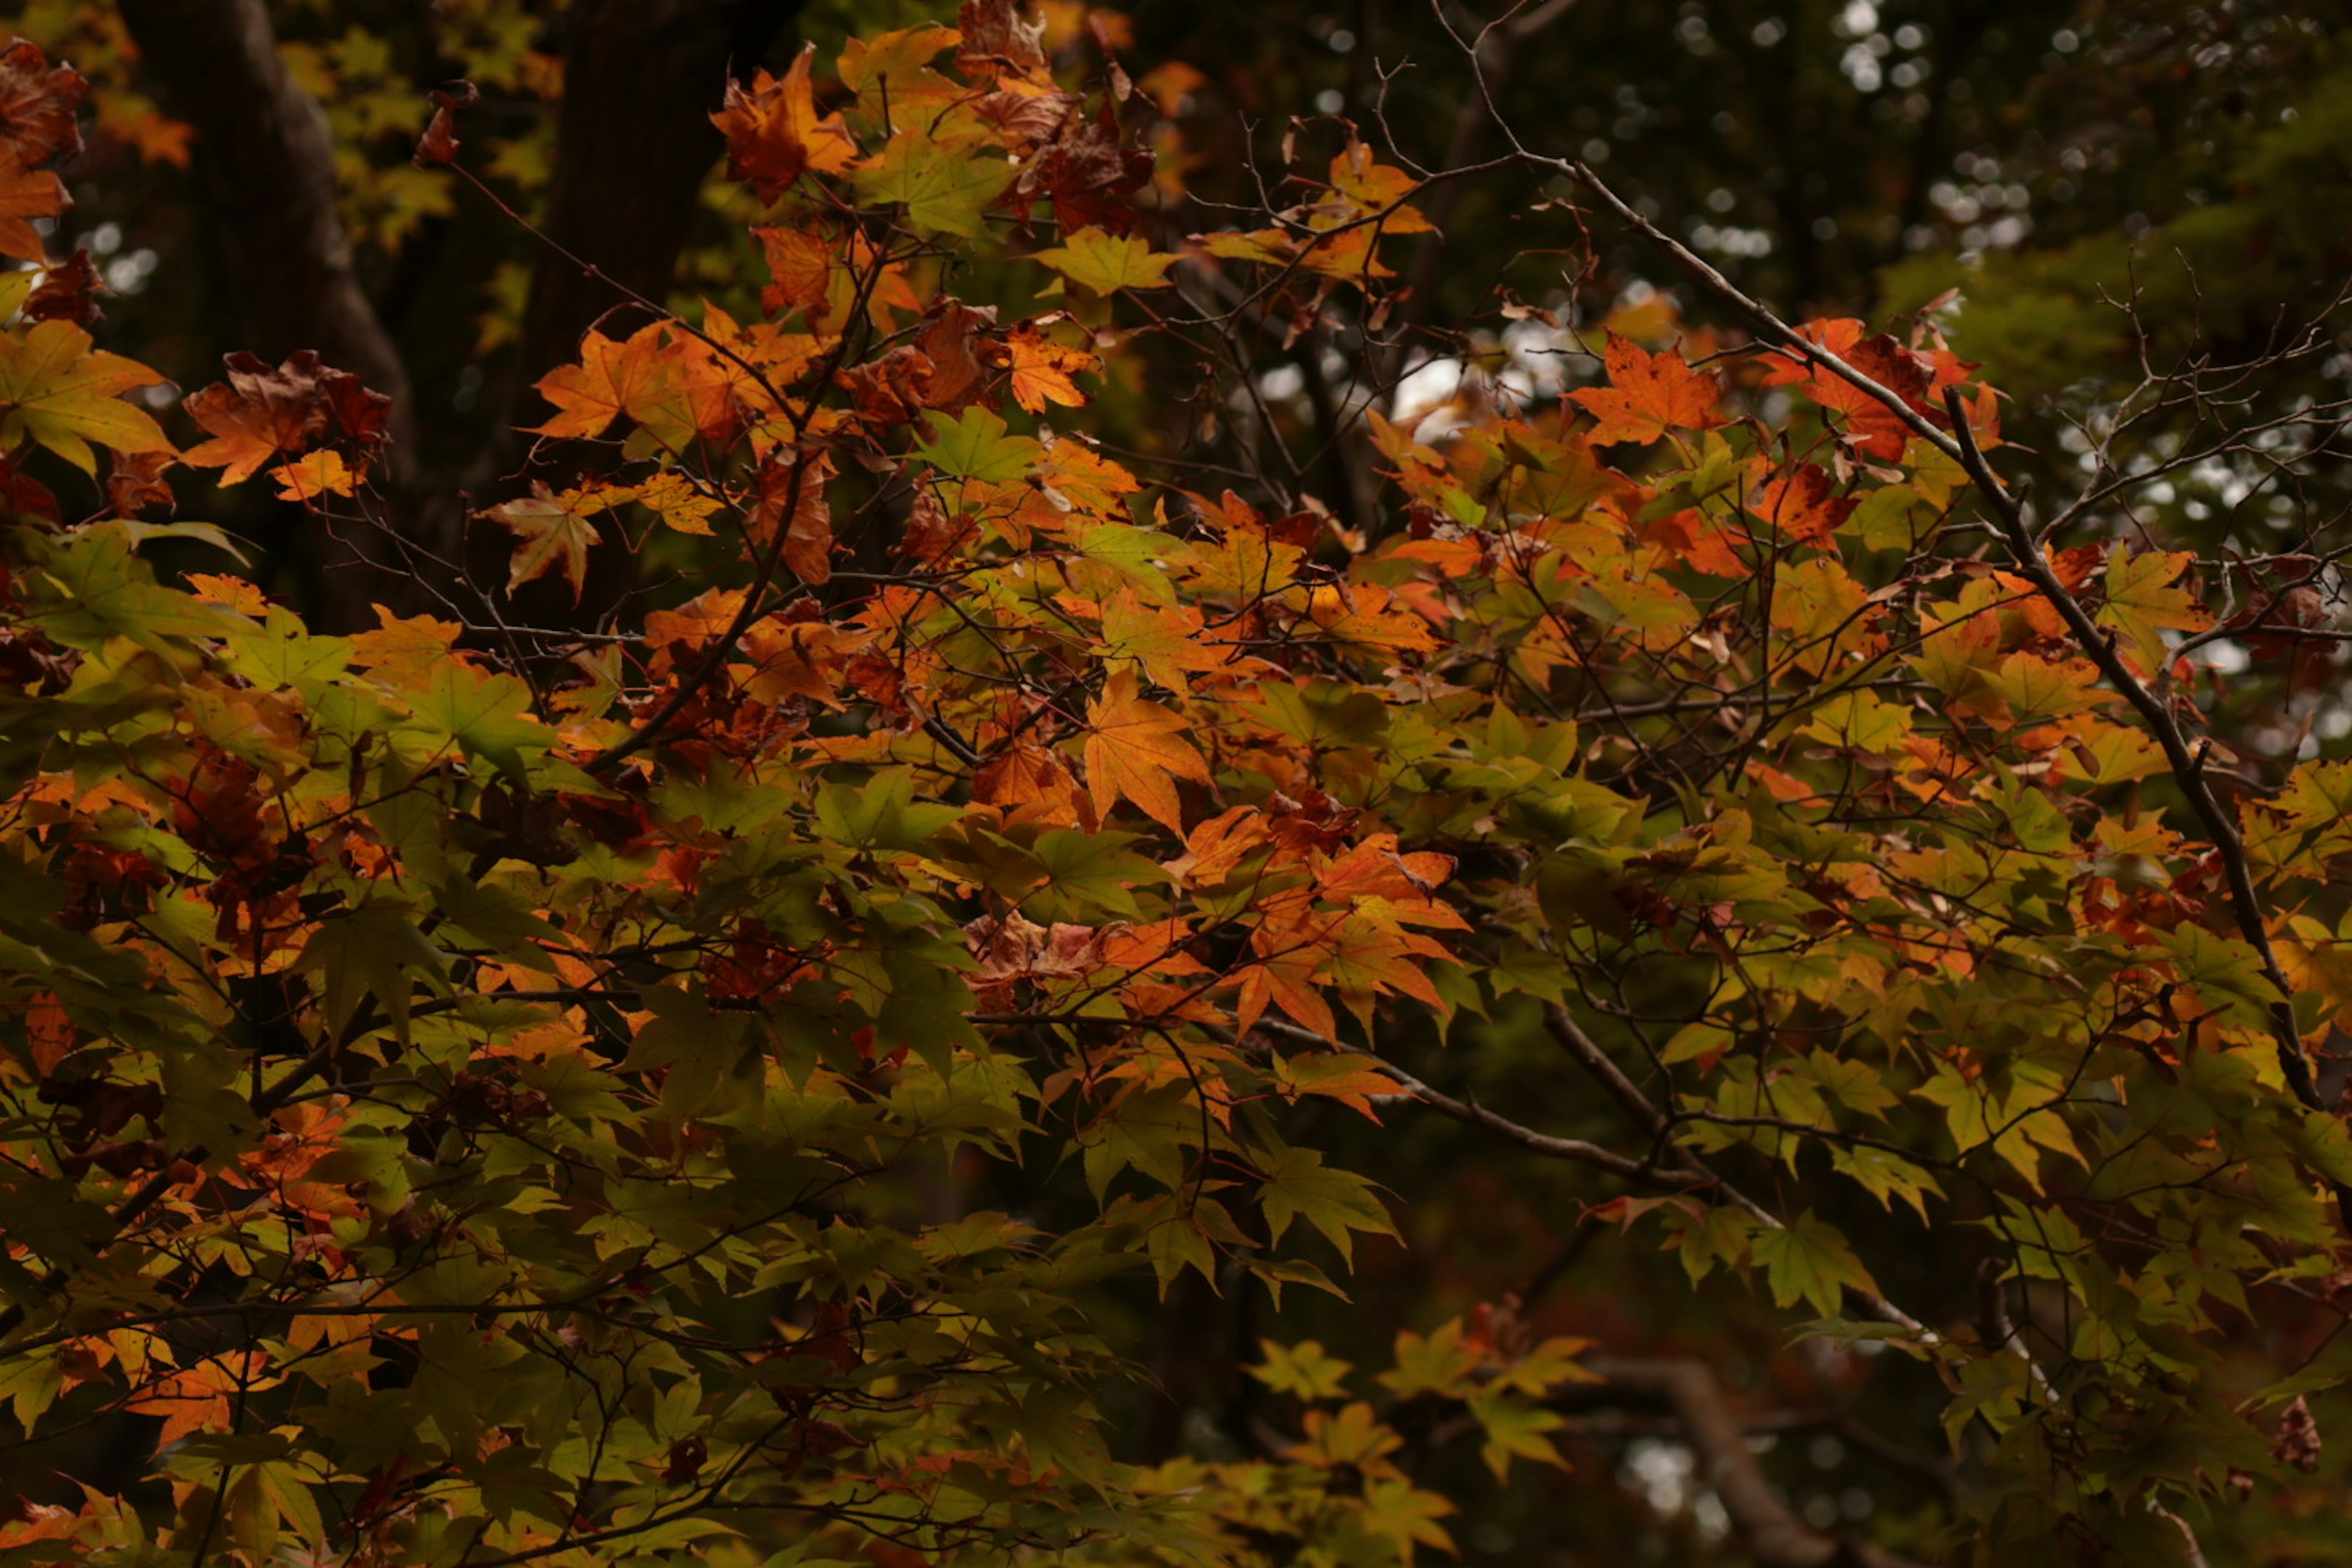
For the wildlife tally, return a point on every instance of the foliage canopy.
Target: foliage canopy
(728, 1078)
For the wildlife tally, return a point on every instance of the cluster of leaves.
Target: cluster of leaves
(478, 1112)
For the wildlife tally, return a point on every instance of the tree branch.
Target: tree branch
(1574, 1149)
(1775, 1537)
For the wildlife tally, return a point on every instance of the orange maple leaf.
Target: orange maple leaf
(1648, 395)
(1031, 777)
(610, 376)
(1164, 642)
(773, 134)
(201, 1397)
(1798, 505)
(259, 412)
(1041, 368)
(1875, 429)
(1135, 751)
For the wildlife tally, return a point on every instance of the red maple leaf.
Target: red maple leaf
(1648, 395)
(1799, 506)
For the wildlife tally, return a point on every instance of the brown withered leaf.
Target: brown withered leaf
(930, 531)
(2297, 1442)
(1017, 948)
(259, 412)
(439, 142)
(67, 292)
(773, 134)
(889, 390)
(134, 482)
(794, 483)
(26, 195)
(1084, 172)
(950, 333)
(1029, 118)
(998, 42)
(37, 105)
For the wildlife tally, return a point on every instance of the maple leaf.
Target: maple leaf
(439, 142)
(1042, 368)
(39, 102)
(134, 481)
(889, 390)
(2142, 603)
(26, 195)
(62, 393)
(609, 379)
(1648, 395)
(315, 474)
(773, 134)
(1107, 263)
(794, 484)
(1028, 776)
(899, 63)
(950, 339)
(67, 291)
(995, 42)
(259, 412)
(1135, 751)
(555, 532)
(1166, 642)
(1377, 187)
(1082, 171)
(201, 1397)
(1875, 429)
(678, 502)
(1799, 504)
(945, 182)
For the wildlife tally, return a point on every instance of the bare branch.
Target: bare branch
(1775, 1537)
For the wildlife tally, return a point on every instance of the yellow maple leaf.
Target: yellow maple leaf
(59, 390)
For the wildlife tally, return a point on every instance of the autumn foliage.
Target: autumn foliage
(701, 1092)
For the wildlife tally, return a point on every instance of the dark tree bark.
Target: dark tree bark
(268, 161)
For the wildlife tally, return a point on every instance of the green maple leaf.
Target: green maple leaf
(1515, 1428)
(1303, 1370)
(1808, 1261)
(945, 185)
(1299, 1185)
(976, 446)
(2143, 605)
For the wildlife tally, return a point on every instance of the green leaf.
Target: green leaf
(1299, 1185)
(945, 184)
(1810, 1261)
(1303, 1371)
(374, 950)
(1514, 1429)
(975, 446)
